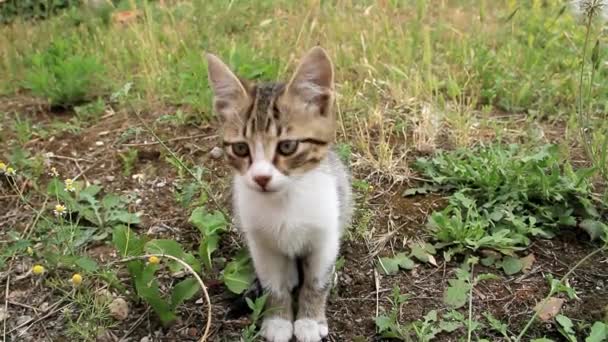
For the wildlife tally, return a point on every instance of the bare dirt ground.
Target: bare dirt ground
(360, 292)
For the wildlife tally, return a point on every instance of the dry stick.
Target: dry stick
(377, 285)
(553, 288)
(191, 270)
(51, 310)
(181, 164)
(135, 325)
(204, 136)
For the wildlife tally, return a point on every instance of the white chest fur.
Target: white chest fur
(293, 220)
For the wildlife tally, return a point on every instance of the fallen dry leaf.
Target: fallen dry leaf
(549, 308)
(124, 17)
(527, 262)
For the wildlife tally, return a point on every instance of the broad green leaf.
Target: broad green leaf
(148, 289)
(208, 223)
(383, 323)
(511, 265)
(388, 266)
(168, 247)
(599, 332)
(595, 229)
(124, 217)
(88, 195)
(87, 264)
(496, 324)
(566, 327)
(238, 274)
(423, 252)
(207, 247)
(165, 246)
(457, 293)
(184, 290)
(486, 276)
(126, 242)
(110, 201)
(449, 326)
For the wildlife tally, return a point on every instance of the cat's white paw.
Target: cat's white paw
(309, 330)
(277, 330)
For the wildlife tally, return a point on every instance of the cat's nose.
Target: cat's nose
(262, 180)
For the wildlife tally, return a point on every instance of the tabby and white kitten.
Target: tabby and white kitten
(291, 193)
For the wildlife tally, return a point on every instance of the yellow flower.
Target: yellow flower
(2, 168)
(76, 279)
(69, 185)
(10, 171)
(38, 269)
(154, 260)
(53, 172)
(59, 210)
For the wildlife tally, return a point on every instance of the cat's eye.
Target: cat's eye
(287, 147)
(240, 149)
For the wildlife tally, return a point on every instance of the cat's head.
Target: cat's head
(275, 132)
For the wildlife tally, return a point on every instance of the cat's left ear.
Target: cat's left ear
(313, 81)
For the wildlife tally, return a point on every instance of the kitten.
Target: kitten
(291, 193)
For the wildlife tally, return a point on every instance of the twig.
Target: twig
(191, 270)
(52, 310)
(6, 291)
(204, 136)
(67, 158)
(135, 325)
(35, 309)
(377, 286)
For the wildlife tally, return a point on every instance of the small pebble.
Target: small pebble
(4, 314)
(119, 309)
(99, 143)
(161, 184)
(216, 153)
(193, 332)
(110, 178)
(23, 319)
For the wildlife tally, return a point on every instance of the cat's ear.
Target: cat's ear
(313, 80)
(230, 94)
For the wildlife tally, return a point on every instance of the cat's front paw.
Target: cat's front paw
(275, 329)
(309, 330)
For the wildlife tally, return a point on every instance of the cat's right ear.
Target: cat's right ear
(230, 95)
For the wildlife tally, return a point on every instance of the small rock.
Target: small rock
(4, 314)
(156, 230)
(99, 143)
(138, 201)
(119, 309)
(110, 178)
(216, 153)
(161, 184)
(23, 319)
(145, 339)
(192, 332)
(347, 279)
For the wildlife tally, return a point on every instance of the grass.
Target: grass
(474, 89)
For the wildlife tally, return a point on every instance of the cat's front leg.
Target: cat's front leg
(311, 323)
(278, 275)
